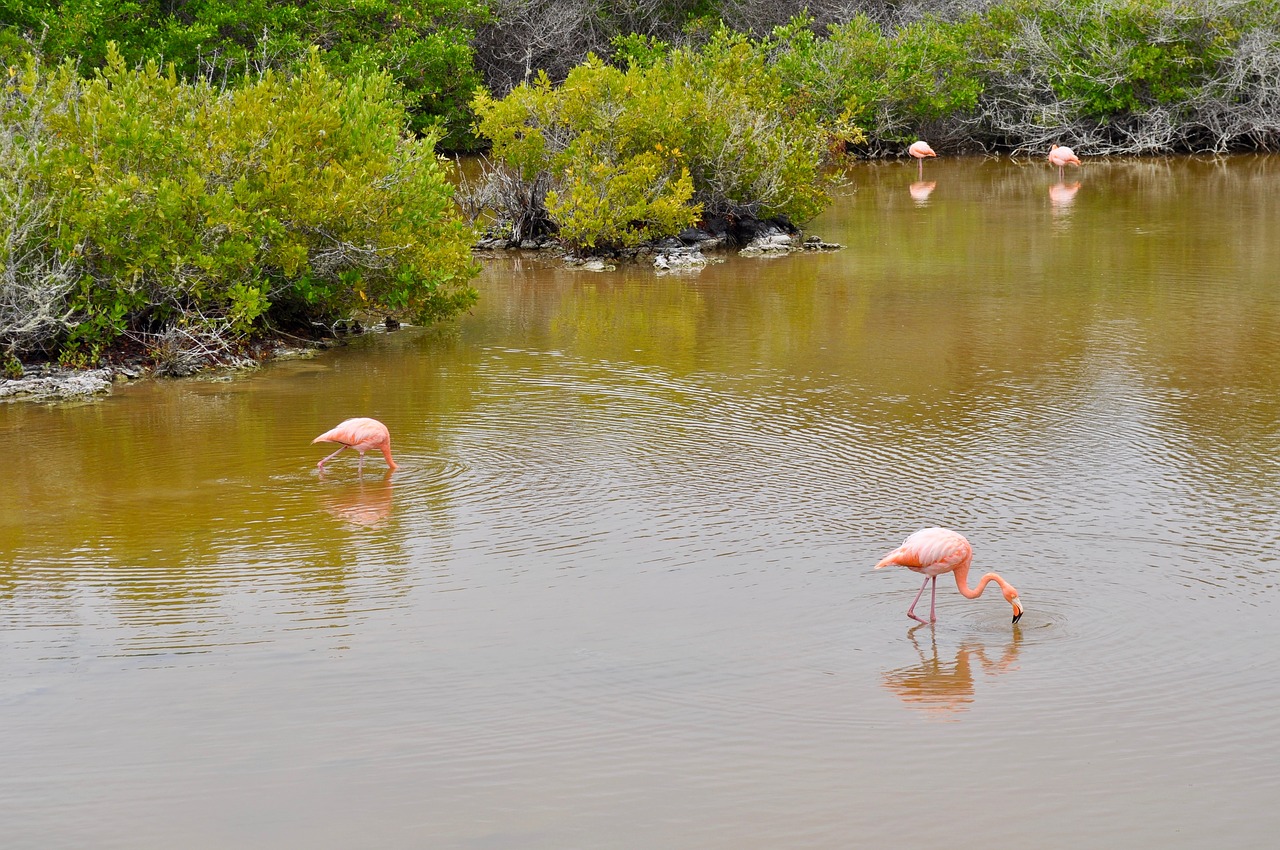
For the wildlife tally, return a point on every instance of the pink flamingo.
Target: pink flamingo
(920, 150)
(361, 434)
(934, 551)
(1061, 156)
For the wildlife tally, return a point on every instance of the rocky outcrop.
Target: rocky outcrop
(52, 384)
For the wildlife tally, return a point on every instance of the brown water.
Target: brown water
(620, 594)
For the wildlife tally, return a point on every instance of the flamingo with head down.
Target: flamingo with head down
(362, 434)
(934, 551)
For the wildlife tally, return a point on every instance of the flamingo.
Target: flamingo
(1060, 156)
(920, 150)
(934, 551)
(362, 434)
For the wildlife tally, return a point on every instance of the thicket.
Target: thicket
(426, 46)
(614, 157)
(187, 217)
(1107, 76)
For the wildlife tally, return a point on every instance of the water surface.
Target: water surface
(619, 593)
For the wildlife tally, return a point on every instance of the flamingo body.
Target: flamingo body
(1063, 156)
(934, 551)
(362, 434)
(920, 150)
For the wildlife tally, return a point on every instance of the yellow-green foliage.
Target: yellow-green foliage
(425, 45)
(641, 153)
(624, 204)
(298, 197)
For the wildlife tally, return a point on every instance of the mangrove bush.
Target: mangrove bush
(617, 156)
(426, 46)
(136, 206)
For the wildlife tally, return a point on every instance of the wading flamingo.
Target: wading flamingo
(360, 434)
(934, 551)
(1060, 156)
(920, 150)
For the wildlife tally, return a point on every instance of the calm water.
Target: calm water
(620, 594)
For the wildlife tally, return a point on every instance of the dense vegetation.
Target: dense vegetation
(211, 167)
(185, 217)
(1137, 76)
(425, 46)
(626, 156)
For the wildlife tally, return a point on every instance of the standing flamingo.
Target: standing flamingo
(1060, 156)
(360, 434)
(920, 150)
(934, 551)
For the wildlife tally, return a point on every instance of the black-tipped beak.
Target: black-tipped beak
(1018, 616)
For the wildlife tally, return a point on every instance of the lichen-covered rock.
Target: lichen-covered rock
(57, 385)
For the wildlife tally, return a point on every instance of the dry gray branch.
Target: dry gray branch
(35, 278)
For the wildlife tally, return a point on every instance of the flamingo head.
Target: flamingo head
(1011, 596)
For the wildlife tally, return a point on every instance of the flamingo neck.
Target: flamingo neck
(386, 453)
(962, 582)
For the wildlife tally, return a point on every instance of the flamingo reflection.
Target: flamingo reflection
(941, 688)
(361, 502)
(921, 189)
(1062, 195)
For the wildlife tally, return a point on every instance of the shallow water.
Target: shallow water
(620, 592)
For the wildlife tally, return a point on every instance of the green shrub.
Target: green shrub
(641, 153)
(292, 197)
(1132, 55)
(424, 45)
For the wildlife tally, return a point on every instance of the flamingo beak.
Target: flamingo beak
(1017, 609)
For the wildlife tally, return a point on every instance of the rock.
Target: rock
(682, 260)
(694, 236)
(58, 385)
(815, 243)
(769, 243)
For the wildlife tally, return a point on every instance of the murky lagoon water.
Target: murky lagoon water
(620, 594)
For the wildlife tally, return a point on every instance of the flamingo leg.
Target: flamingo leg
(911, 612)
(921, 163)
(933, 601)
(330, 457)
(360, 467)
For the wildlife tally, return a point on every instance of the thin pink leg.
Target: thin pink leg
(330, 457)
(933, 601)
(911, 612)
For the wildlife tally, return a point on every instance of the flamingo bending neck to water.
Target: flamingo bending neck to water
(934, 551)
(361, 434)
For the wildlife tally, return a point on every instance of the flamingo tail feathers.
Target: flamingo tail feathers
(893, 559)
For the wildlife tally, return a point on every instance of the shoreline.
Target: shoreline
(51, 383)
